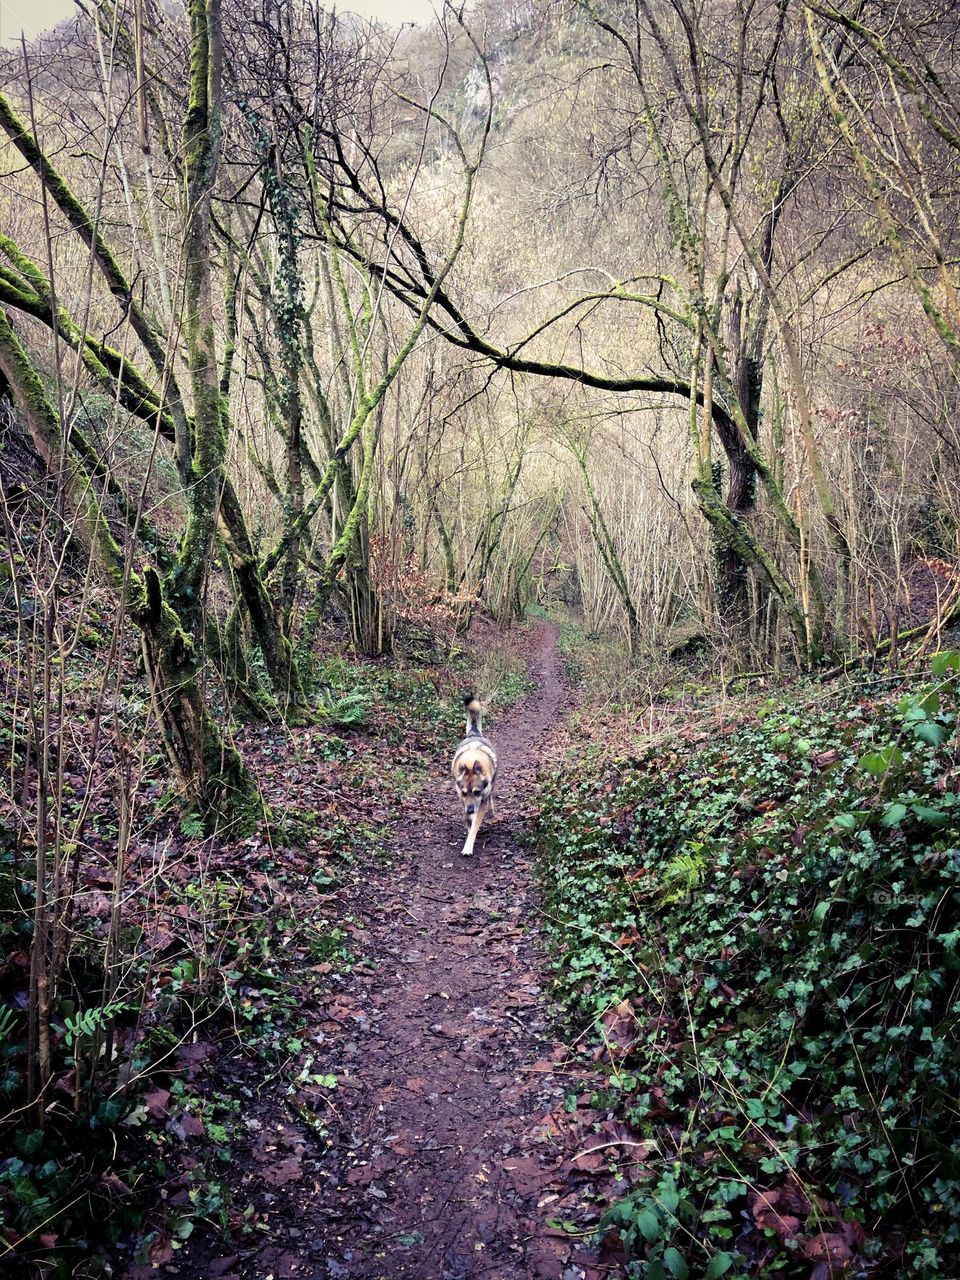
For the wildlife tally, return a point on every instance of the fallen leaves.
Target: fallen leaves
(185, 1125)
(157, 1101)
(282, 1171)
(190, 1058)
(789, 1213)
(620, 1030)
(780, 1211)
(279, 1155)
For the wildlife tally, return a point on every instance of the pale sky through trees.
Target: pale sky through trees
(36, 16)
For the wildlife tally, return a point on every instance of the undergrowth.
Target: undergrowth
(224, 945)
(761, 920)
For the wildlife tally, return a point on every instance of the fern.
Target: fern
(87, 1023)
(684, 872)
(345, 709)
(192, 826)
(7, 1019)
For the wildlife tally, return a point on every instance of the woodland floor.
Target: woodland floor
(451, 1149)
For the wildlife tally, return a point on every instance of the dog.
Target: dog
(474, 770)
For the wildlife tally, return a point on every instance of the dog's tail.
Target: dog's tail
(472, 704)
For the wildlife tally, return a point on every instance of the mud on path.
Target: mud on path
(452, 1066)
(450, 1147)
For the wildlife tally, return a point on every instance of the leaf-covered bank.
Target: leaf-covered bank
(759, 915)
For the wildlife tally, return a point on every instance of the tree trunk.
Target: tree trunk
(210, 774)
(746, 384)
(278, 653)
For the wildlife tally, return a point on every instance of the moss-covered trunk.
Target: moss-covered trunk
(347, 568)
(210, 773)
(746, 379)
(278, 653)
(201, 150)
(290, 336)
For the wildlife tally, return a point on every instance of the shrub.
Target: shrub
(777, 902)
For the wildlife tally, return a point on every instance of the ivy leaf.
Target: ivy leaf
(894, 814)
(669, 1196)
(945, 661)
(674, 1263)
(878, 762)
(718, 1266)
(648, 1224)
(912, 709)
(930, 732)
(933, 817)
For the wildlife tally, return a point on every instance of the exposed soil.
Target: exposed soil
(451, 1147)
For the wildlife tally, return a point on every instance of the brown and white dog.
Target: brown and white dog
(474, 772)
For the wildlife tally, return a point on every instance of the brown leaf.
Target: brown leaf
(190, 1057)
(770, 1213)
(156, 1102)
(629, 939)
(828, 1246)
(526, 1174)
(15, 960)
(157, 935)
(113, 1182)
(284, 1171)
(521, 997)
(589, 1161)
(219, 1266)
(185, 1125)
(853, 1233)
(620, 1029)
(161, 1250)
(362, 1174)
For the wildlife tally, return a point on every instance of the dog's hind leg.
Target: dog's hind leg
(472, 833)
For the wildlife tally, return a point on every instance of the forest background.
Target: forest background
(313, 328)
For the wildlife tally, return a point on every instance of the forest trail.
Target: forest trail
(445, 1135)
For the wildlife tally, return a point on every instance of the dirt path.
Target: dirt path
(445, 1152)
(452, 1063)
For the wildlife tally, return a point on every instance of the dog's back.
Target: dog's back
(474, 770)
(474, 738)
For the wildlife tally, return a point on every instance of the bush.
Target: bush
(775, 906)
